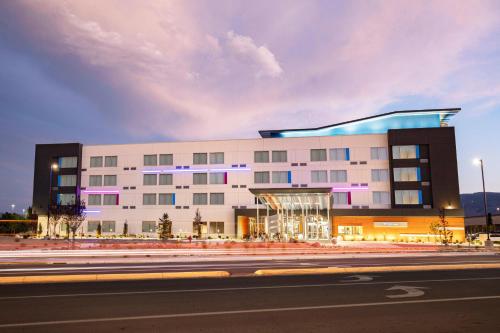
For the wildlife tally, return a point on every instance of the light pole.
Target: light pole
(53, 167)
(479, 161)
(12, 206)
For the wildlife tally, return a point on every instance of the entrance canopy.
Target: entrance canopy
(294, 198)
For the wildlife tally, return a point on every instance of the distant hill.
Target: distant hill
(473, 203)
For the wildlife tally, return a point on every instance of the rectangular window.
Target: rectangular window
(355, 230)
(406, 174)
(199, 178)
(66, 199)
(261, 177)
(148, 226)
(150, 160)
(94, 200)
(216, 198)
(92, 226)
(216, 227)
(95, 180)
(338, 176)
(340, 198)
(318, 155)
(199, 158)
(68, 162)
(380, 175)
(319, 176)
(408, 197)
(338, 154)
(200, 199)
(166, 159)
(261, 157)
(166, 199)
(149, 179)
(66, 180)
(149, 199)
(166, 179)
(110, 199)
(217, 178)
(404, 152)
(381, 198)
(111, 161)
(96, 161)
(378, 153)
(279, 156)
(110, 180)
(216, 158)
(108, 226)
(280, 177)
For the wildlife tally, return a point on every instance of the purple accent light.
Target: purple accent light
(91, 211)
(350, 188)
(101, 191)
(194, 170)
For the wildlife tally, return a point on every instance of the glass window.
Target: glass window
(404, 152)
(166, 199)
(199, 158)
(166, 179)
(149, 179)
(340, 198)
(217, 178)
(279, 156)
(318, 155)
(338, 154)
(108, 226)
(110, 180)
(199, 178)
(381, 198)
(378, 153)
(95, 180)
(92, 226)
(66, 180)
(380, 175)
(68, 162)
(110, 199)
(166, 159)
(216, 198)
(338, 176)
(261, 157)
(149, 199)
(216, 227)
(355, 230)
(200, 199)
(150, 160)
(405, 174)
(261, 177)
(110, 161)
(319, 176)
(216, 158)
(94, 200)
(148, 226)
(407, 197)
(280, 177)
(96, 161)
(66, 199)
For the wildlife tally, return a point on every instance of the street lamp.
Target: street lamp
(479, 161)
(12, 206)
(53, 167)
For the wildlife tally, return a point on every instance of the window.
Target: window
(110, 199)
(280, 177)
(339, 154)
(66, 199)
(166, 159)
(166, 179)
(404, 152)
(217, 178)
(216, 227)
(66, 180)
(108, 226)
(200, 199)
(94, 200)
(340, 198)
(200, 158)
(199, 178)
(216, 158)
(148, 226)
(149, 179)
(406, 174)
(92, 226)
(381, 198)
(95, 180)
(378, 153)
(408, 197)
(356, 230)
(110, 180)
(166, 199)
(338, 176)
(380, 175)
(110, 161)
(96, 161)
(319, 176)
(68, 162)
(261, 177)
(279, 156)
(261, 157)
(318, 155)
(216, 198)
(150, 160)
(149, 199)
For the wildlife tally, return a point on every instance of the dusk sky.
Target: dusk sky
(137, 71)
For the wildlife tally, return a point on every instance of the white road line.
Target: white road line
(248, 311)
(148, 292)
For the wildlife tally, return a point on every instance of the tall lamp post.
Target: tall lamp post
(53, 167)
(479, 161)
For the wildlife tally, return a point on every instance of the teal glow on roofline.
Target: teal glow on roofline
(373, 125)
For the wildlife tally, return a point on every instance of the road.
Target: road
(437, 301)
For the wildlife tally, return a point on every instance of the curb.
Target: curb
(379, 269)
(111, 277)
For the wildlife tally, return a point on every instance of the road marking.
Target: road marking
(249, 311)
(359, 278)
(148, 292)
(410, 291)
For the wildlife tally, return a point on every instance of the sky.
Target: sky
(113, 71)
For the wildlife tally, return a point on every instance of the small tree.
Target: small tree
(99, 230)
(74, 217)
(125, 228)
(197, 223)
(56, 214)
(441, 229)
(165, 227)
(40, 230)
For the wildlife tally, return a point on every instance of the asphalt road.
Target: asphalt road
(237, 267)
(437, 301)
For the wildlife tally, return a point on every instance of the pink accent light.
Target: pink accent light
(101, 191)
(350, 188)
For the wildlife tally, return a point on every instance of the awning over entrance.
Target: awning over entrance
(294, 198)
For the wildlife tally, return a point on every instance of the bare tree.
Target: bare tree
(165, 227)
(74, 216)
(197, 223)
(441, 229)
(56, 213)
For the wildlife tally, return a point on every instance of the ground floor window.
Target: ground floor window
(203, 227)
(216, 227)
(92, 226)
(350, 230)
(108, 226)
(148, 226)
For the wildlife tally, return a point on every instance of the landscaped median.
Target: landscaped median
(111, 277)
(371, 269)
